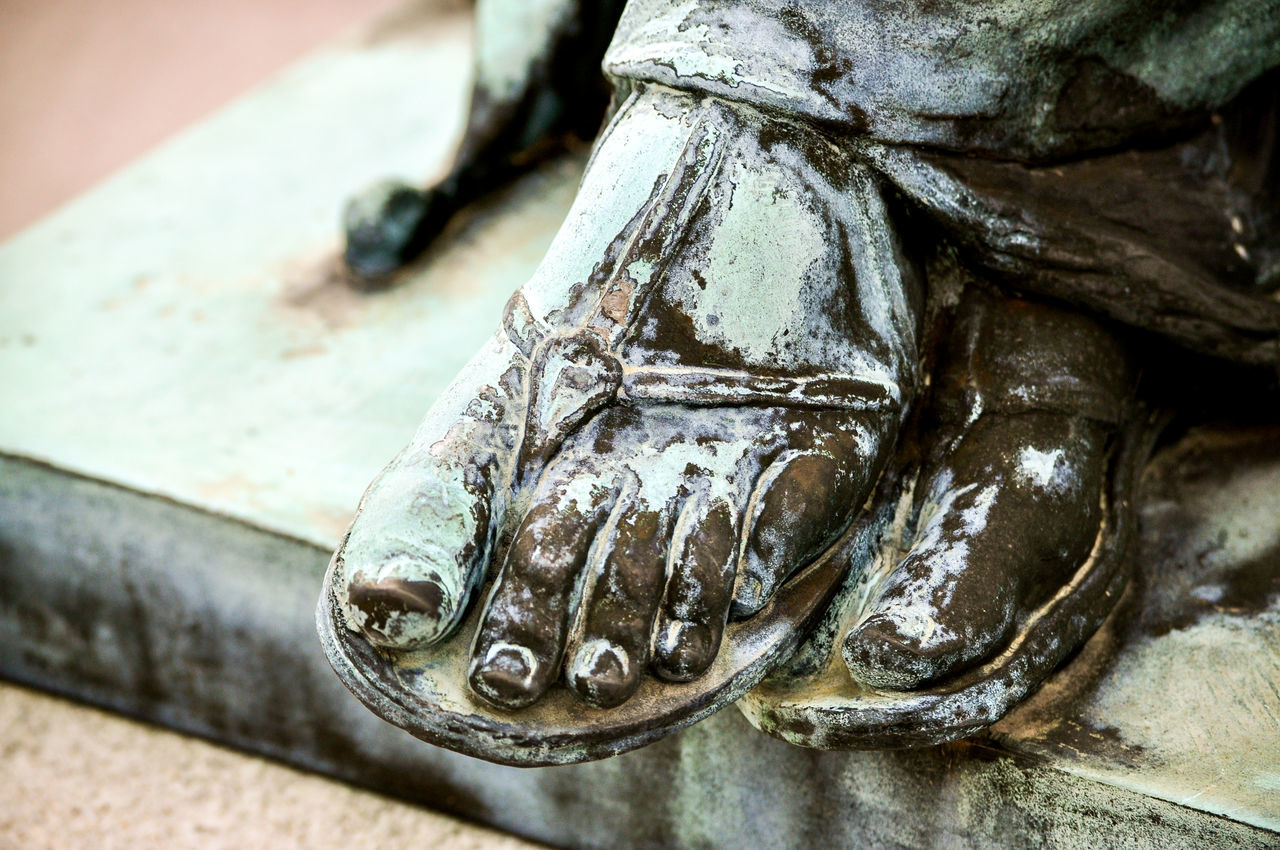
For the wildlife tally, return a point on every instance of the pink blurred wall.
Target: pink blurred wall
(87, 85)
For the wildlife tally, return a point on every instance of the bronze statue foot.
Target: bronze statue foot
(650, 528)
(679, 421)
(536, 91)
(1010, 554)
(1030, 400)
(1010, 515)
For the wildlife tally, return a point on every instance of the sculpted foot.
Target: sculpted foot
(1006, 521)
(684, 407)
(390, 223)
(762, 374)
(1029, 401)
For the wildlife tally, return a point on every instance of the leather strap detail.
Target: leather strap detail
(576, 372)
(681, 385)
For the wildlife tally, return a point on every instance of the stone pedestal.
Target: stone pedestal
(194, 400)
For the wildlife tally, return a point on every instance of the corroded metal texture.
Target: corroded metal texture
(994, 556)
(700, 387)
(656, 439)
(169, 613)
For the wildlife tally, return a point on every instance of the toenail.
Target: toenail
(681, 650)
(601, 659)
(395, 613)
(505, 675)
(669, 639)
(601, 673)
(886, 631)
(877, 653)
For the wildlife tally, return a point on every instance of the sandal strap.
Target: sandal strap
(701, 386)
(1006, 355)
(573, 376)
(1064, 400)
(578, 371)
(655, 239)
(664, 223)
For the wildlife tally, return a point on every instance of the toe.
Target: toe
(415, 552)
(521, 639)
(799, 502)
(892, 651)
(695, 604)
(940, 611)
(381, 225)
(508, 674)
(1007, 523)
(612, 646)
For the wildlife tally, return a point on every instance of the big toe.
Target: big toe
(891, 651)
(414, 555)
(939, 612)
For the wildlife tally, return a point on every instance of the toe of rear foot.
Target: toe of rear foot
(885, 652)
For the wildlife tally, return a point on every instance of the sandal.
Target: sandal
(585, 359)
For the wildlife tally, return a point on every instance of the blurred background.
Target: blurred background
(88, 85)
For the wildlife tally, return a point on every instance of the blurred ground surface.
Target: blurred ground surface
(74, 777)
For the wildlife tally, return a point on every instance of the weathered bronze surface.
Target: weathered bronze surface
(854, 299)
